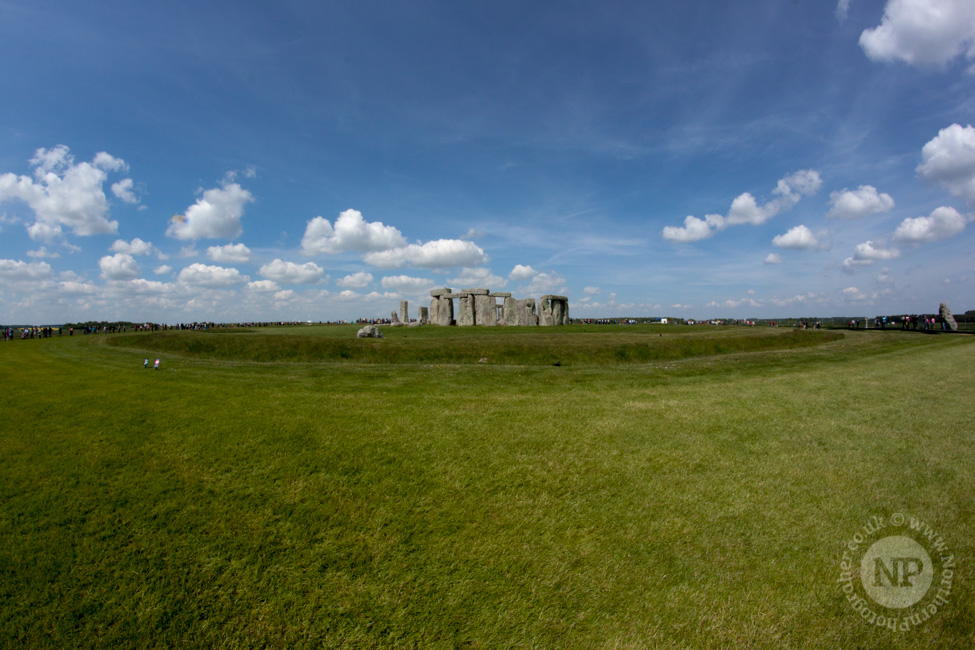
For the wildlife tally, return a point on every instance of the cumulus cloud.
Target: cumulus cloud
(134, 247)
(406, 284)
(211, 277)
(798, 238)
(63, 193)
(773, 258)
(942, 223)
(552, 282)
(163, 269)
(478, 278)
(745, 209)
(355, 280)
(861, 202)
(264, 286)
(42, 253)
(522, 272)
(695, 229)
(120, 266)
(867, 251)
(292, 273)
(591, 291)
(17, 270)
(229, 254)
(350, 233)
(949, 159)
(215, 215)
(440, 253)
(922, 32)
(124, 191)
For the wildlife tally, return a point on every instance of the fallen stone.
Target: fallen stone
(369, 332)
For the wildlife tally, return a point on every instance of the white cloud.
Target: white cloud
(163, 269)
(842, 10)
(292, 273)
(216, 214)
(351, 233)
(264, 286)
(441, 253)
(544, 283)
(949, 159)
(591, 291)
(120, 266)
(42, 253)
(942, 223)
(231, 253)
(884, 277)
(522, 272)
(45, 232)
(63, 193)
(696, 229)
(850, 263)
(211, 277)
(922, 32)
(746, 210)
(123, 190)
(788, 191)
(478, 278)
(355, 280)
(773, 258)
(287, 294)
(406, 284)
(852, 293)
(798, 238)
(17, 270)
(134, 247)
(861, 202)
(867, 251)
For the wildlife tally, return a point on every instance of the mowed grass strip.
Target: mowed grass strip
(695, 503)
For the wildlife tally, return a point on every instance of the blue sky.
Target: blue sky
(319, 161)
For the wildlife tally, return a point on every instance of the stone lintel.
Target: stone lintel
(551, 297)
(476, 292)
(500, 294)
(436, 293)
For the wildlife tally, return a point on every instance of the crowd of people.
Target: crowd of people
(33, 332)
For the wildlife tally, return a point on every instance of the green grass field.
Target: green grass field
(662, 487)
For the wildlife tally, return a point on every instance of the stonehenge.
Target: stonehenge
(481, 307)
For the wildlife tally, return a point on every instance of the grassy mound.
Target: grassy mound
(576, 346)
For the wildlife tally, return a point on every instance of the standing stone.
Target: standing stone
(510, 313)
(442, 307)
(434, 310)
(404, 310)
(545, 313)
(526, 313)
(393, 317)
(946, 316)
(424, 316)
(557, 310)
(485, 310)
(465, 315)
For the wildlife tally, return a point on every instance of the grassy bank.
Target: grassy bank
(231, 500)
(578, 345)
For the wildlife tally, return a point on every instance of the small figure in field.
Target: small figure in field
(145, 364)
(156, 364)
